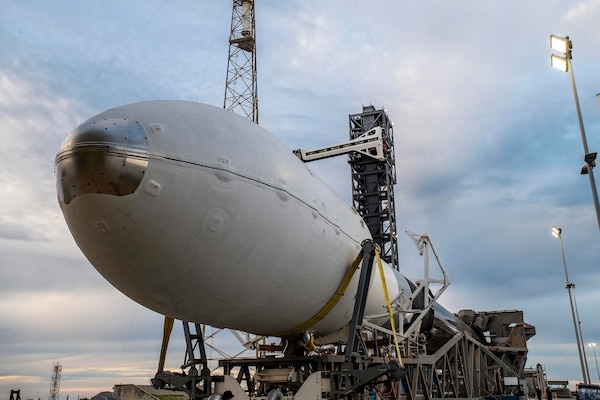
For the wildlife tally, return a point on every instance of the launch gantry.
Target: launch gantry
(371, 157)
(373, 182)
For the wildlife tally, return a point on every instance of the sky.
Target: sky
(487, 143)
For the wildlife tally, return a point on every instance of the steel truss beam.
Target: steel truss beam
(462, 368)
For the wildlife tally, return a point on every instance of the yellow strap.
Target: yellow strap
(167, 328)
(311, 344)
(331, 303)
(388, 304)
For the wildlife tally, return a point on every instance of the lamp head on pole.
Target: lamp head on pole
(592, 344)
(556, 231)
(561, 44)
(560, 63)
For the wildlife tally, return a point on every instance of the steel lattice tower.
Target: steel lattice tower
(241, 95)
(373, 183)
(55, 383)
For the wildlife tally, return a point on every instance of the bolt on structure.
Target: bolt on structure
(241, 92)
(373, 183)
(55, 382)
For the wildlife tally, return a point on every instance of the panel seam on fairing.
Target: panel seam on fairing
(257, 180)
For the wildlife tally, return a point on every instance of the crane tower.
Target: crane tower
(241, 86)
(55, 383)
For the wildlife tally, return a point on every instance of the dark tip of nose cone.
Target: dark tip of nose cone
(102, 155)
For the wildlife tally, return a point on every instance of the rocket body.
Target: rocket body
(202, 215)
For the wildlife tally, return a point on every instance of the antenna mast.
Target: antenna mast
(55, 383)
(241, 94)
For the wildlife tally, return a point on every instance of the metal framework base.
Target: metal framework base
(197, 382)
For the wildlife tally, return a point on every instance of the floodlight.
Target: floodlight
(590, 158)
(561, 44)
(559, 63)
(556, 231)
(584, 170)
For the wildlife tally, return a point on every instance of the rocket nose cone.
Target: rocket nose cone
(103, 155)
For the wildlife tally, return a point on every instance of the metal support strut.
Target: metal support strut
(197, 382)
(358, 369)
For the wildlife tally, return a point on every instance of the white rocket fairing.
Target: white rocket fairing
(201, 215)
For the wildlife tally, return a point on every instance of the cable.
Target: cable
(212, 42)
(330, 53)
(88, 86)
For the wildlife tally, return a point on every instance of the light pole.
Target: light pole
(585, 362)
(564, 46)
(557, 233)
(593, 346)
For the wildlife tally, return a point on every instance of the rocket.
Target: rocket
(201, 215)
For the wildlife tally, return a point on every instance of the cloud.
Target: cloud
(488, 153)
